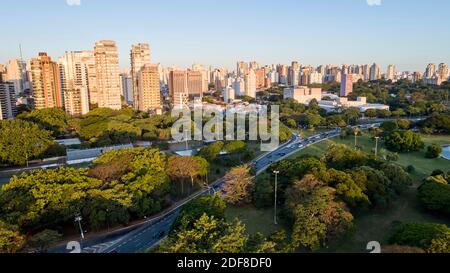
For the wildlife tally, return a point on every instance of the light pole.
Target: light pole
(78, 219)
(275, 203)
(376, 146)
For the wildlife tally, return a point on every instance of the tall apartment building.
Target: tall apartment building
(7, 100)
(15, 74)
(430, 71)
(260, 78)
(140, 56)
(250, 84)
(195, 82)
(375, 72)
(178, 88)
(45, 82)
(242, 68)
(346, 85)
(294, 74)
(443, 71)
(149, 89)
(127, 87)
(74, 73)
(108, 75)
(390, 73)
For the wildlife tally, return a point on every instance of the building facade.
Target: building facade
(107, 75)
(45, 82)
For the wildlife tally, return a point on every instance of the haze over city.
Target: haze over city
(409, 34)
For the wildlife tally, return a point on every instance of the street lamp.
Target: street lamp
(78, 219)
(376, 146)
(275, 203)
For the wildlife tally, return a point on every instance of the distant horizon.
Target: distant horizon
(405, 33)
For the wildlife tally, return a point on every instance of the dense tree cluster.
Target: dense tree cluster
(434, 193)
(433, 238)
(21, 141)
(51, 119)
(103, 127)
(318, 194)
(404, 141)
(203, 228)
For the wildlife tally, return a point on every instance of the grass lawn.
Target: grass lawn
(255, 220)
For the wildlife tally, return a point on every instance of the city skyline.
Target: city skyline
(394, 32)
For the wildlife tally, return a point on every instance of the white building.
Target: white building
(74, 70)
(303, 94)
(228, 94)
(15, 74)
(250, 84)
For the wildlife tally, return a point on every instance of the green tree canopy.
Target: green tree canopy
(21, 141)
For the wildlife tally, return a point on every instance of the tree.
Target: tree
(433, 151)
(418, 234)
(400, 179)
(212, 151)
(51, 119)
(11, 240)
(317, 214)
(404, 124)
(389, 126)
(41, 241)
(208, 235)
(238, 185)
(404, 141)
(182, 168)
(440, 244)
(211, 205)
(21, 141)
(263, 194)
(434, 194)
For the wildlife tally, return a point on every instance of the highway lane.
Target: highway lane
(150, 234)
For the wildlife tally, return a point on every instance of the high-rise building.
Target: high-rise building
(242, 68)
(443, 71)
(140, 56)
(46, 82)
(375, 72)
(108, 75)
(195, 82)
(250, 84)
(390, 73)
(260, 78)
(15, 74)
(149, 89)
(346, 85)
(7, 100)
(74, 75)
(430, 71)
(295, 74)
(178, 88)
(127, 87)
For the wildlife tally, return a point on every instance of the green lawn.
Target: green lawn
(254, 219)
(373, 225)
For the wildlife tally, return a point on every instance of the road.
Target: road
(148, 234)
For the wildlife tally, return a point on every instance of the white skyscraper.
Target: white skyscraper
(74, 74)
(108, 75)
(15, 74)
(390, 74)
(250, 84)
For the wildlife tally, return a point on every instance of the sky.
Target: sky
(407, 33)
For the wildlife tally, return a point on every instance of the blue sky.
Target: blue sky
(408, 33)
